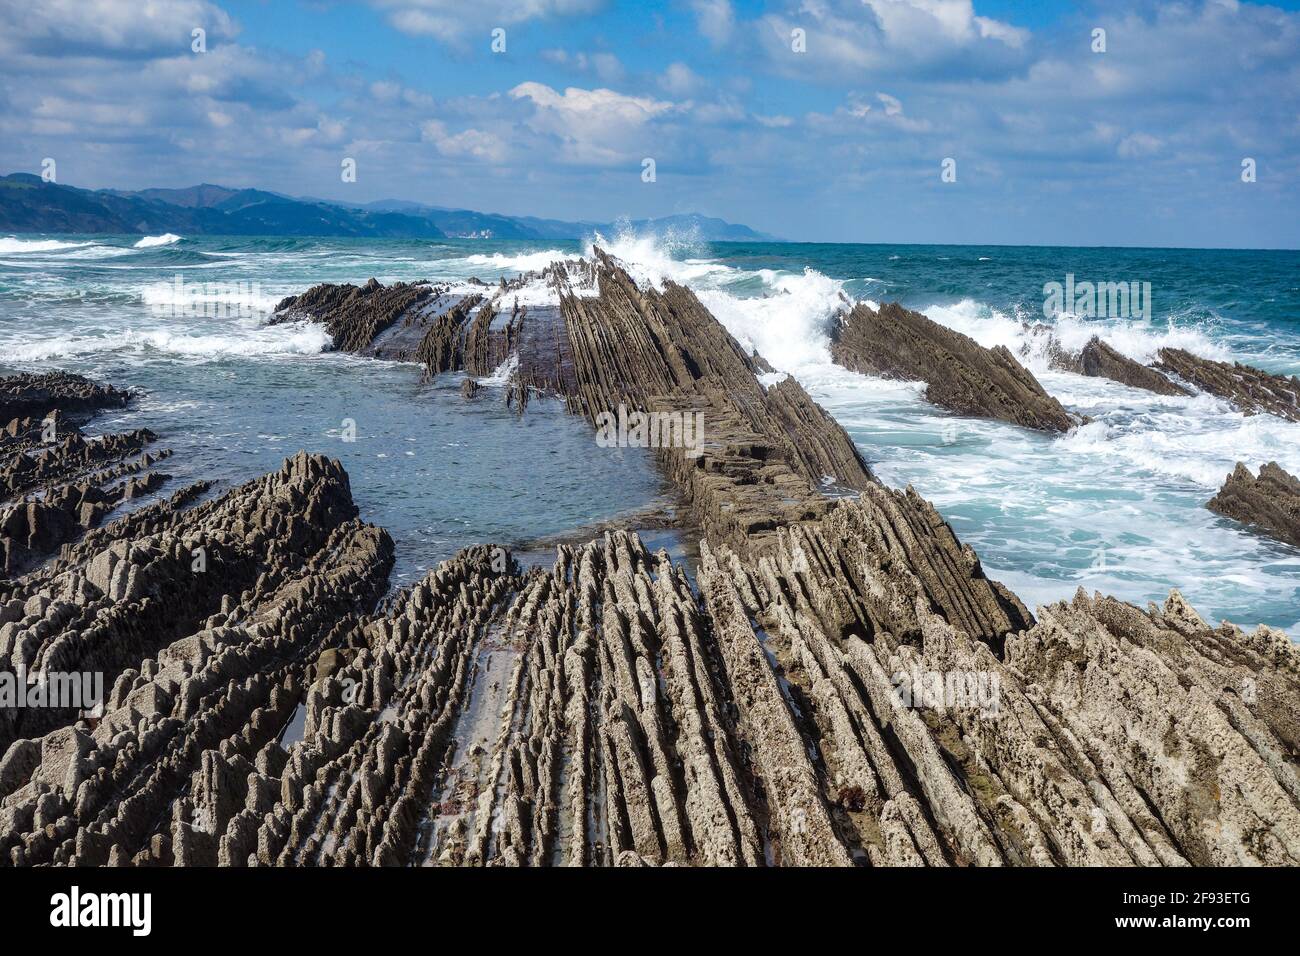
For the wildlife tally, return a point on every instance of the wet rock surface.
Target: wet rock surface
(1250, 389)
(35, 396)
(1099, 360)
(960, 374)
(763, 454)
(1269, 502)
(55, 481)
(836, 682)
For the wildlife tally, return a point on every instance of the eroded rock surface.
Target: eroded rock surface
(960, 374)
(202, 623)
(1099, 360)
(1270, 502)
(55, 481)
(840, 683)
(35, 396)
(1250, 389)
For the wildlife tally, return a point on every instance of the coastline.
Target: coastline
(607, 711)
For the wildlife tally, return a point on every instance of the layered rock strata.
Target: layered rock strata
(1250, 389)
(763, 455)
(1269, 502)
(840, 684)
(601, 712)
(55, 481)
(1099, 360)
(959, 373)
(201, 623)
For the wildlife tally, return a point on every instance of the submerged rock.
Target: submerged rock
(960, 374)
(1270, 502)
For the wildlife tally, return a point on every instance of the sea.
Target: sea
(1116, 505)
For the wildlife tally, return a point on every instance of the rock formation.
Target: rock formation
(1249, 389)
(35, 396)
(1099, 360)
(1270, 502)
(839, 683)
(960, 374)
(55, 482)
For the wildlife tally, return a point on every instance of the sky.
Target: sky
(815, 120)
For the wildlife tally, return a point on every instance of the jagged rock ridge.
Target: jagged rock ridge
(270, 711)
(1270, 502)
(960, 374)
(1250, 389)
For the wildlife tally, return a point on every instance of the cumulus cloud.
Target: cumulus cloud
(597, 126)
(885, 90)
(469, 143)
(109, 28)
(904, 37)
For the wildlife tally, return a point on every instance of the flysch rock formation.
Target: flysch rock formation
(959, 373)
(202, 622)
(839, 685)
(55, 482)
(1250, 389)
(1099, 360)
(1269, 502)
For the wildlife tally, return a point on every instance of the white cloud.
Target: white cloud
(892, 106)
(716, 19)
(470, 143)
(591, 126)
(454, 18)
(903, 37)
(679, 80)
(109, 28)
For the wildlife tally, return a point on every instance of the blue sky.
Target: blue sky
(1053, 143)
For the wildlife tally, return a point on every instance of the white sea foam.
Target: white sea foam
(166, 239)
(200, 297)
(1023, 336)
(502, 374)
(301, 338)
(523, 262)
(13, 245)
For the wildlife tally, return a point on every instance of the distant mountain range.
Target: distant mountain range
(29, 204)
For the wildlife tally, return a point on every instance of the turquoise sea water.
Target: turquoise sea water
(1116, 505)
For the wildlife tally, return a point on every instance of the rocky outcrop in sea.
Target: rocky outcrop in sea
(836, 682)
(1269, 502)
(960, 374)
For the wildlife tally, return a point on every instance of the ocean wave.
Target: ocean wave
(209, 298)
(166, 239)
(1025, 336)
(520, 262)
(300, 338)
(13, 245)
(1199, 443)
